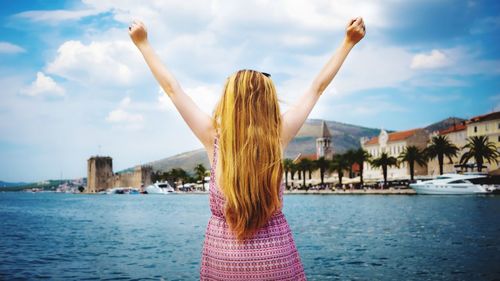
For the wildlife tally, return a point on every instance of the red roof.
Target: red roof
(454, 128)
(485, 117)
(396, 136)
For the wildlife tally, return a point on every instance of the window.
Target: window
(498, 126)
(475, 129)
(498, 139)
(458, 181)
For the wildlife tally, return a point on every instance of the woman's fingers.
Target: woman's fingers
(356, 30)
(358, 24)
(351, 21)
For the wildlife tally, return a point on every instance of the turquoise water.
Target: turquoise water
(131, 237)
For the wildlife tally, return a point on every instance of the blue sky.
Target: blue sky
(73, 85)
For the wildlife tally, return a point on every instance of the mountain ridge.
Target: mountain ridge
(344, 136)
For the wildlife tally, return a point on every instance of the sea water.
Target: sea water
(339, 237)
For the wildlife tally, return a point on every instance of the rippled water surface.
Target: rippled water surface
(131, 237)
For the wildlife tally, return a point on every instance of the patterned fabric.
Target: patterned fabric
(269, 255)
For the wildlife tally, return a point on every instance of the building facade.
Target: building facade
(487, 125)
(394, 144)
(457, 135)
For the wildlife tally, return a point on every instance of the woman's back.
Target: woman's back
(259, 245)
(270, 254)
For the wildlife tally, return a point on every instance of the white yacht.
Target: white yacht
(454, 184)
(121, 190)
(160, 188)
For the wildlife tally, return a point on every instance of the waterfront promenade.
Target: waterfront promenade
(389, 191)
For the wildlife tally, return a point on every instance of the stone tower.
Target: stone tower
(99, 173)
(324, 143)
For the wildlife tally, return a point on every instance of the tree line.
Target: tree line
(180, 175)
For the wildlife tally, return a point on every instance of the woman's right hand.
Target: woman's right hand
(355, 30)
(138, 33)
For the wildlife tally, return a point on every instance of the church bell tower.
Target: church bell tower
(324, 143)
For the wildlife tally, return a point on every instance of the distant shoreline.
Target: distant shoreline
(390, 191)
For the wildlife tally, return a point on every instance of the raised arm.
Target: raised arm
(199, 122)
(296, 115)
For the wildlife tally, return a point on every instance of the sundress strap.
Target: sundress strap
(214, 157)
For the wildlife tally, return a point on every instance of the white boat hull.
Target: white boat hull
(448, 189)
(160, 188)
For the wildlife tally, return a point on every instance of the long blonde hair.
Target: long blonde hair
(248, 120)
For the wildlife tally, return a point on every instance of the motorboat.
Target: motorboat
(122, 190)
(458, 184)
(160, 188)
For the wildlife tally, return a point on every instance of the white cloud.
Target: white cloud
(9, 48)
(459, 60)
(120, 115)
(43, 86)
(56, 16)
(102, 63)
(298, 41)
(123, 118)
(370, 65)
(205, 96)
(434, 59)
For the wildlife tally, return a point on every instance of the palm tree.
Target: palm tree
(412, 155)
(361, 156)
(200, 172)
(287, 167)
(293, 169)
(480, 149)
(338, 164)
(322, 164)
(311, 167)
(441, 147)
(384, 161)
(304, 165)
(350, 157)
(179, 174)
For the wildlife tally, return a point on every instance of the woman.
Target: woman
(247, 237)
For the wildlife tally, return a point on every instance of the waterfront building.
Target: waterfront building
(394, 144)
(99, 171)
(486, 125)
(457, 135)
(100, 175)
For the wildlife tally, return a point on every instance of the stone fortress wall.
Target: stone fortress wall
(100, 175)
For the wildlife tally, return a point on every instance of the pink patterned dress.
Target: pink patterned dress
(269, 255)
